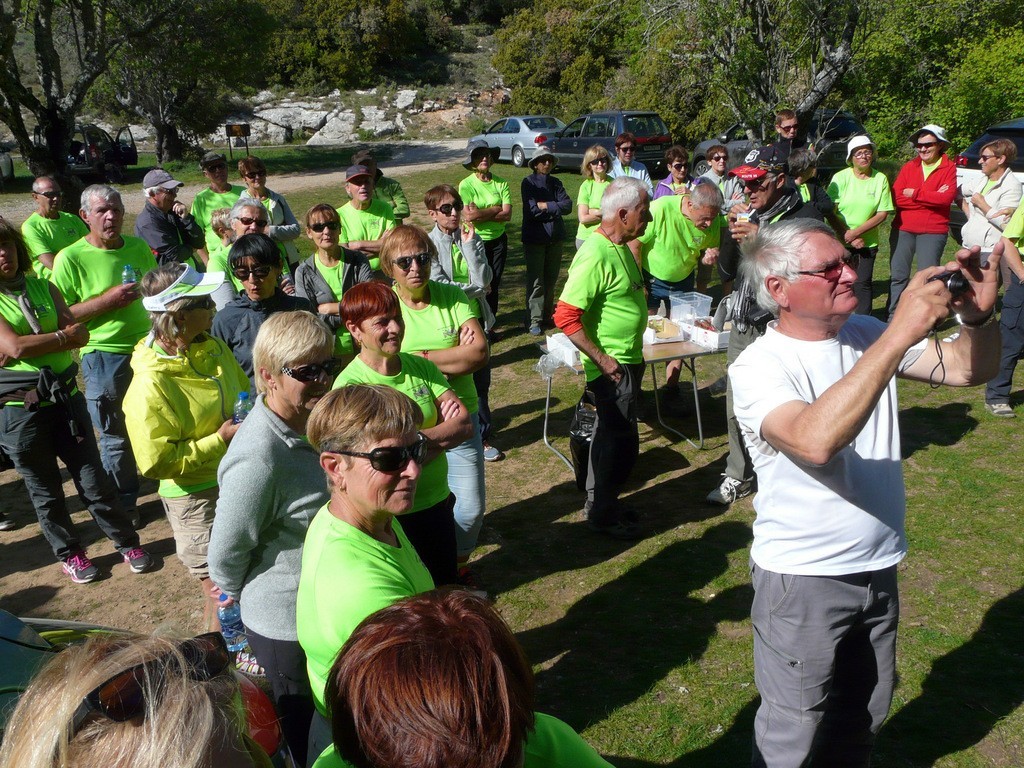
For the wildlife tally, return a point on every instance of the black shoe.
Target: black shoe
(621, 530)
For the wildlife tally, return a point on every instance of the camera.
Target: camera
(956, 283)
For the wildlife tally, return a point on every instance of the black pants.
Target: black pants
(862, 289)
(616, 441)
(285, 664)
(1011, 332)
(496, 252)
(432, 532)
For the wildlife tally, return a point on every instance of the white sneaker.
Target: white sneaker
(730, 490)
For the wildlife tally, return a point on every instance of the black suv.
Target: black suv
(95, 156)
(652, 138)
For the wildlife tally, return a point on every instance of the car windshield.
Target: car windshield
(839, 125)
(541, 123)
(644, 125)
(975, 149)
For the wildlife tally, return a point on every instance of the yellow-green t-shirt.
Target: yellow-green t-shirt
(591, 192)
(421, 381)
(370, 224)
(205, 203)
(1014, 230)
(671, 245)
(343, 344)
(437, 327)
(926, 169)
(219, 263)
(82, 271)
(604, 281)
(485, 194)
(857, 200)
(43, 235)
(46, 312)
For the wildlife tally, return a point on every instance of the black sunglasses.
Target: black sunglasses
(599, 161)
(392, 459)
(320, 226)
(313, 371)
(447, 208)
(242, 273)
(49, 195)
(627, 148)
(256, 175)
(718, 158)
(216, 168)
(678, 166)
(925, 144)
(248, 221)
(123, 697)
(404, 262)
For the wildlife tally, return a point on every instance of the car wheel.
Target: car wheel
(518, 157)
(700, 166)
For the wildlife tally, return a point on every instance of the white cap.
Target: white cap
(935, 130)
(856, 143)
(189, 284)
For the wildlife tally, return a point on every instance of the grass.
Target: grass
(646, 647)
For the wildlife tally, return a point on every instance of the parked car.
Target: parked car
(97, 157)
(968, 169)
(516, 137)
(828, 132)
(27, 644)
(652, 138)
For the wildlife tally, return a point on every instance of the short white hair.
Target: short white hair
(624, 192)
(103, 192)
(777, 249)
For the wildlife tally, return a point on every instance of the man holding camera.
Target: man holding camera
(816, 400)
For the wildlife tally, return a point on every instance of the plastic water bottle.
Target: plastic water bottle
(231, 625)
(242, 407)
(128, 275)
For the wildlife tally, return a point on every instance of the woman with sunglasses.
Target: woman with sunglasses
(256, 263)
(357, 557)
(442, 326)
(324, 277)
(178, 410)
(373, 315)
(730, 186)
(923, 192)
(147, 702)
(678, 181)
(594, 170)
(271, 486)
(284, 227)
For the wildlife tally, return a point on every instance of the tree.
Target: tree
(180, 81)
(70, 44)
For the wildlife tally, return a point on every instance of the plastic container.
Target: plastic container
(686, 307)
(242, 407)
(128, 276)
(230, 617)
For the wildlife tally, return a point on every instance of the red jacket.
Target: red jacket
(926, 212)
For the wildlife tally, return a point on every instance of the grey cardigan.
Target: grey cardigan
(271, 487)
(310, 284)
(479, 270)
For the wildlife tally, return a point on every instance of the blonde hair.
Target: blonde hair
(183, 722)
(356, 415)
(166, 325)
(593, 153)
(288, 337)
(220, 221)
(401, 238)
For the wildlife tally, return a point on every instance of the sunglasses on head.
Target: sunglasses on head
(313, 371)
(393, 459)
(123, 697)
(404, 262)
(447, 208)
(320, 226)
(249, 221)
(260, 272)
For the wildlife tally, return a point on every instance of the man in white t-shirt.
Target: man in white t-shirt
(816, 400)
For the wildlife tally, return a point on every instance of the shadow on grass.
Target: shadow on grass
(967, 692)
(921, 426)
(28, 601)
(618, 641)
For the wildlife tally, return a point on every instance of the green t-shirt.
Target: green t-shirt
(421, 380)
(857, 200)
(347, 575)
(485, 194)
(82, 271)
(43, 235)
(926, 168)
(671, 245)
(551, 744)
(591, 192)
(460, 267)
(370, 224)
(343, 344)
(605, 282)
(437, 327)
(1014, 230)
(219, 263)
(205, 203)
(46, 312)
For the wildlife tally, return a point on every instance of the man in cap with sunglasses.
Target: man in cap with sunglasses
(816, 400)
(166, 224)
(364, 218)
(220, 194)
(49, 229)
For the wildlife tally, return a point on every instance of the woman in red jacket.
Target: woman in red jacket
(923, 193)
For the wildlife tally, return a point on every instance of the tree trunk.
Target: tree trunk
(169, 145)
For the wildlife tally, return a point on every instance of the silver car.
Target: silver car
(516, 137)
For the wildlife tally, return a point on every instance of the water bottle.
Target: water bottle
(128, 275)
(242, 407)
(231, 625)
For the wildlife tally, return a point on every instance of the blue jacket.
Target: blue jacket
(544, 225)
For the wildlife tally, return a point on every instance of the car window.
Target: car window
(736, 133)
(512, 126)
(541, 123)
(575, 127)
(599, 127)
(836, 126)
(644, 125)
(496, 128)
(1018, 140)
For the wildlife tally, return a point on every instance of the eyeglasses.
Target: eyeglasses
(313, 371)
(447, 208)
(216, 168)
(925, 144)
(123, 697)
(627, 148)
(788, 128)
(260, 273)
(320, 226)
(49, 195)
(392, 459)
(864, 153)
(599, 161)
(172, 192)
(404, 262)
(985, 158)
(256, 175)
(755, 184)
(834, 271)
(249, 221)
(719, 158)
(204, 302)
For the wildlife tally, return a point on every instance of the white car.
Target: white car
(518, 136)
(968, 170)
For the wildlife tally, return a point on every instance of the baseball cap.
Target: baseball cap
(190, 284)
(158, 177)
(212, 158)
(760, 162)
(355, 171)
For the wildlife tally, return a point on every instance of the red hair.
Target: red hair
(371, 299)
